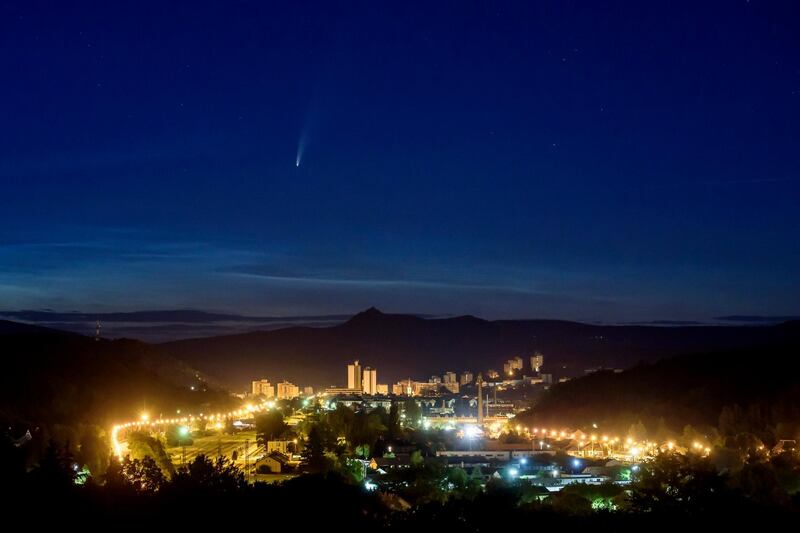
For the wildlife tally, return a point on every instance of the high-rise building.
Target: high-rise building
(466, 377)
(511, 365)
(383, 388)
(435, 379)
(449, 377)
(263, 387)
(354, 376)
(537, 361)
(370, 381)
(308, 391)
(287, 390)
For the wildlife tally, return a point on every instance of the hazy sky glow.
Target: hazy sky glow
(629, 162)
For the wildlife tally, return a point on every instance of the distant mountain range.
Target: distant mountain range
(401, 346)
(179, 315)
(758, 318)
(162, 326)
(56, 376)
(158, 326)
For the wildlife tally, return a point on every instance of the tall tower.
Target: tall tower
(354, 376)
(370, 381)
(479, 382)
(97, 331)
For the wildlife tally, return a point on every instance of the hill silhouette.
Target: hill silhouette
(55, 377)
(401, 346)
(758, 387)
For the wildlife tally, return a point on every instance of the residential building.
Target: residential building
(287, 390)
(354, 377)
(335, 391)
(403, 388)
(262, 387)
(383, 388)
(451, 386)
(421, 388)
(511, 365)
(537, 361)
(369, 381)
(285, 447)
(466, 377)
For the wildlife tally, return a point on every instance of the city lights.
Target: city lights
(471, 431)
(564, 238)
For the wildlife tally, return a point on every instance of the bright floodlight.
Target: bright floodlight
(183, 431)
(471, 431)
(513, 472)
(576, 463)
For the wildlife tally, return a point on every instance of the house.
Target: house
(286, 447)
(272, 463)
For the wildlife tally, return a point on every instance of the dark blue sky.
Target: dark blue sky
(632, 161)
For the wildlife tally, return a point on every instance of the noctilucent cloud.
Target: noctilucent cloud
(626, 162)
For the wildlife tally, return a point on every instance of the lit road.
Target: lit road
(576, 442)
(217, 419)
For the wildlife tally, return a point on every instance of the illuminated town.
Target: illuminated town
(496, 444)
(480, 267)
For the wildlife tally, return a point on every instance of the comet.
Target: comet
(301, 145)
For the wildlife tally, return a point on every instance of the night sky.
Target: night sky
(633, 161)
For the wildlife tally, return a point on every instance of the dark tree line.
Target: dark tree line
(672, 488)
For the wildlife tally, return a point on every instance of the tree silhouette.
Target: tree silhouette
(143, 474)
(270, 426)
(204, 474)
